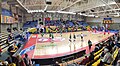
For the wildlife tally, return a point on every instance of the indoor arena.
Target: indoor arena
(60, 33)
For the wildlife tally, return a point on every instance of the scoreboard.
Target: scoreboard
(108, 21)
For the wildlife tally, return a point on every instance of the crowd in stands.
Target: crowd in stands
(75, 25)
(17, 61)
(105, 52)
(64, 26)
(13, 59)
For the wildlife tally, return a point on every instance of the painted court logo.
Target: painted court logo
(56, 39)
(27, 50)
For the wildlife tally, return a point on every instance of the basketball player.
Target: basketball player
(38, 28)
(104, 32)
(108, 32)
(74, 37)
(70, 38)
(61, 32)
(49, 29)
(42, 30)
(52, 36)
(56, 29)
(81, 36)
(42, 34)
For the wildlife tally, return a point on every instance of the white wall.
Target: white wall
(116, 20)
(28, 17)
(91, 19)
(100, 19)
(4, 27)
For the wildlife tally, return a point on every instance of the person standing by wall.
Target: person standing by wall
(81, 36)
(19, 61)
(27, 60)
(89, 44)
(91, 57)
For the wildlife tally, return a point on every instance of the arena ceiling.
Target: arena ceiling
(82, 7)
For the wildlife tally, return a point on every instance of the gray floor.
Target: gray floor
(4, 55)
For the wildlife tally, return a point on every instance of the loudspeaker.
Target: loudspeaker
(83, 12)
(48, 2)
(40, 19)
(92, 10)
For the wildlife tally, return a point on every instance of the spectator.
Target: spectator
(9, 60)
(10, 37)
(108, 47)
(118, 37)
(118, 63)
(85, 60)
(10, 48)
(7, 42)
(20, 61)
(107, 59)
(24, 38)
(102, 55)
(91, 57)
(27, 60)
(5, 63)
(14, 59)
(96, 48)
(15, 44)
(56, 64)
(0, 51)
(1, 64)
(14, 48)
(118, 44)
(12, 64)
(9, 30)
(119, 53)
(20, 29)
(19, 45)
(89, 44)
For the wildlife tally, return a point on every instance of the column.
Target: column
(76, 16)
(18, 17)
(43, 18)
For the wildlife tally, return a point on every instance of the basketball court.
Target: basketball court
(39, 47)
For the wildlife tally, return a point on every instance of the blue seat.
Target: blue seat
(37, 64)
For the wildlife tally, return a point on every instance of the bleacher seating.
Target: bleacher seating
(96, 57)
(3, 44)
(68, 22)
(30, 24)
(82, 23)
(115, 53)
(71, 24)
(98, 51)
